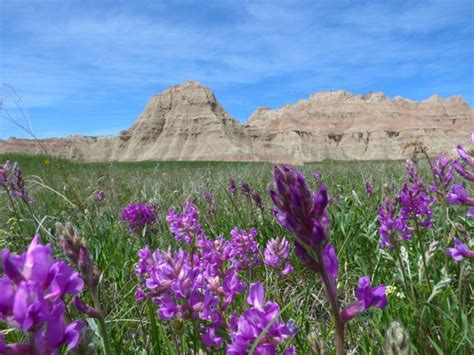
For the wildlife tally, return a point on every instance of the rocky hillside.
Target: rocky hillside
(186, 122)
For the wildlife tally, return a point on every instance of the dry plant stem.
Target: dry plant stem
(338, 322)
(423, 256)
(404, 276)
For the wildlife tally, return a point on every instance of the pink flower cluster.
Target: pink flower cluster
(201, 279)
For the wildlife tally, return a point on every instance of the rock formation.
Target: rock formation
(186, 122)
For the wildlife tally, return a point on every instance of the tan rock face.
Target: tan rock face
(341, 125)
(186, 122)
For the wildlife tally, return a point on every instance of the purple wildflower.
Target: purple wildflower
(390, 225)
(276, 253)
(331, 264)
(460, 251)
(17, 185)
(298, 210)
(33, 286)
(12, 181)
(458, 196)
(465, 156)
(317, 176)
(411, 171)
(257, 198)
(246, 189)
(243, 249)
(185, 226)
(5, 173)
(304, 214)
(138, 216)
(470, 212)
(463, 171)
(416, 205)
(368, 188)
(253, 322)
(99, 195)
(232, 186)
(468, 161)
(442, 171)
(367, 297)
(208, 196)
(198, 283)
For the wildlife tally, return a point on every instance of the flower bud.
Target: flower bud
(85, 308)
(396, 340)
(316, 344)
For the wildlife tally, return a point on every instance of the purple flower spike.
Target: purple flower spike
(232, 186)
(257, 198)
(243, 249)
(13, 183)
(442, 171)
(99, 195)
(392, 228)
(298, 210)
(367, 297)
(412, 173)
(458, 194)
(465, 156)
(316, 176)
(208, 196)
(368, 188)
(416, 205)
(461, 170)
(246, 189)
(138, 216)
(460, 251)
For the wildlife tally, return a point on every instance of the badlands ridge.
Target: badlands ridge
(185, 122)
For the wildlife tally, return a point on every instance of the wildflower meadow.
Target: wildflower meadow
(237, 258)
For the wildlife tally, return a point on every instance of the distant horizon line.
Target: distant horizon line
(364, 97)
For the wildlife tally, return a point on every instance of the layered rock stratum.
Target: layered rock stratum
(185, 122)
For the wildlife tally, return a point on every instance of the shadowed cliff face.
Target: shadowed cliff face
(186, 122)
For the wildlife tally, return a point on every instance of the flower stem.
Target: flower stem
(332, 297)
(101, 322)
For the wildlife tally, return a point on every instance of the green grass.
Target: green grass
(64, 190)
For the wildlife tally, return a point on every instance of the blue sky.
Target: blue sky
(89, 67)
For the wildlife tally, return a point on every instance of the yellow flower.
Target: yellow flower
(46, 162)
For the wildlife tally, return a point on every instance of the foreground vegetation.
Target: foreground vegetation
(429, 294)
